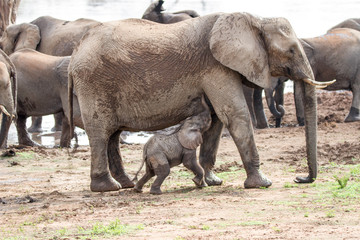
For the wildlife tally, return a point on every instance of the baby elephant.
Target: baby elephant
(163, 152)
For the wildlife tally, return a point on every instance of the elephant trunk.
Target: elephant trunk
(5, 126)
(277, 111)
(310, 104)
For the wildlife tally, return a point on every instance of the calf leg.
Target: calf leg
(189, 161)
(354, 114)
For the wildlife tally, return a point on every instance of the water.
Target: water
(309, 18)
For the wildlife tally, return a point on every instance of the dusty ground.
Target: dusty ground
(44, 193)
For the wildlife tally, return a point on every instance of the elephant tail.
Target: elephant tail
(71, 99)
(135, 179)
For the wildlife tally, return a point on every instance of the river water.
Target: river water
(309, 18)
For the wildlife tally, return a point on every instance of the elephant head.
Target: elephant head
(261, 48)
(190, 132)
(8, 98)
(19, 36)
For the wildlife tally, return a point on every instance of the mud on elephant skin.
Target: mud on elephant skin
(42, 90)
(155, 12)
(8, 95)
(203, 55)
(163, 152)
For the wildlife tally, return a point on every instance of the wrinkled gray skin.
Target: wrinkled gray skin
(163, 152)
(42, 90)
(155, 13)
(8, 92)
(353, 23)
(154, 78)
(48, 35)
(336, 55)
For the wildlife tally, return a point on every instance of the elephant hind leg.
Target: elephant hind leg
(148, 175)
(101, 180)
(354, 114)
(115, 162)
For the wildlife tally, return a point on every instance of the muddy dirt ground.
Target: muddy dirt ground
(44, 193)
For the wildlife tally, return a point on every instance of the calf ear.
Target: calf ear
(190, 138)
(236, 42)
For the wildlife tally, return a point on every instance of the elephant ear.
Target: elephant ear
(28, 36)
(236, 42)
(189, 136)
(308, 49)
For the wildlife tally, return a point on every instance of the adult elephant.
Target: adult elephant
(42, 90)
(155, 12)
(151, 81)
(48, 35)
(334, 55)
(8, 92)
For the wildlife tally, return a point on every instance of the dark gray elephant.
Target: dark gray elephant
(151, 81)
(42, 90)
(8, 92)
(353, 23)
(155, 12)
(163, 152)
(48, 35)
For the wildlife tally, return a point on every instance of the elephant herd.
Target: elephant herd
(155, 72)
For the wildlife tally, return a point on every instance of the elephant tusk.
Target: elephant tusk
(318, 84)
(3, 109)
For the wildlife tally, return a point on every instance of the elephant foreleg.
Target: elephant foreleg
(354, 114)
(65, 131)
(189, 161)
(261, 120)
(208, 150)
(23, 135)
(58, 122)
(115, 162)
(35, 125)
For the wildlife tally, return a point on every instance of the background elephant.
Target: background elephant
(48, 35)
(8, 92)
(163, 152)
(335, 55)
(152, 81)
(155, 13)
(42, 90)
(353, 23)
(275, 102)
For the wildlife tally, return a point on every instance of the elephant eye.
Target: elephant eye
(292, 50)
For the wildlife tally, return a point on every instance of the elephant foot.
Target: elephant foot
(125, 181)
(211, 179)
(257, 180)
(56, 128)
(34, 129)
(155, 191)
(138, 189)
(353, 116)
(199, 182)
(29, 142)
(301, 121)
(105, 183)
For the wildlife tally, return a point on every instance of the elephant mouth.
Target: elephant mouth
(3, 109)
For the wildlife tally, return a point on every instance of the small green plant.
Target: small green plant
(306, 215)
(115, 228)
(276, 229)
(330, 214)
(205, 227)
(342, 181)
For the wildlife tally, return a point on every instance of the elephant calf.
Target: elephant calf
(42, 90)
(162, 152)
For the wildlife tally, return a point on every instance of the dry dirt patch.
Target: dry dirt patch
(44, 193)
